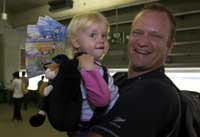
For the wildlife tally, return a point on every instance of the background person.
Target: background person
(25, 84)
(39, 84)
(17, 96)
(148, 105)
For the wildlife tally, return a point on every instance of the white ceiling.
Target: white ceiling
(16, 6)
(23, 12)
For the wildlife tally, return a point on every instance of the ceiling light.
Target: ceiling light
(4, 15)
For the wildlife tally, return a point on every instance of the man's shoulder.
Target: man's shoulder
(146, 82)
(163, 85)
(150, 86)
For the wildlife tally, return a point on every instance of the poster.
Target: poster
(44, 40)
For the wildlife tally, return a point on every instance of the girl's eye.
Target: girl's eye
(105, 35)
(93, 35)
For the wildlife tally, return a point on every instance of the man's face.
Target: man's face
(149, 42)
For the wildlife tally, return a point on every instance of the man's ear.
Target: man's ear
(171, 45)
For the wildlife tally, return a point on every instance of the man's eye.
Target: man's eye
(156, 36)
(137, 32)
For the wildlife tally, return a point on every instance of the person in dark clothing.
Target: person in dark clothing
(40, 82)
(148, 105)
(25, 84)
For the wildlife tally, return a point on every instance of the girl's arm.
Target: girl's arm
(97, 89)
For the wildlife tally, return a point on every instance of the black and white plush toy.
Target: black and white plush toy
(46, 88)
(62, 96)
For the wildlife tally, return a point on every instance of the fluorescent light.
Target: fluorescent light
(184, 78)
(4, 16)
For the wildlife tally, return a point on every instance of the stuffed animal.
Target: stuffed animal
(51, 72)
(62, 100)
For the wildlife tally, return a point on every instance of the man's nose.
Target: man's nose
(144, 40)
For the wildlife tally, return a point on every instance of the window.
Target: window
(184, 78)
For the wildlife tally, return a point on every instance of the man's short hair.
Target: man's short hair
(161, 8)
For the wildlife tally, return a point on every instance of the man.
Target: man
(148, 105)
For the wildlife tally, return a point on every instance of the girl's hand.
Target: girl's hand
(86, 62)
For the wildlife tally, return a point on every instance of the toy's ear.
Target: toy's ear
(53, 66)
(42, 87)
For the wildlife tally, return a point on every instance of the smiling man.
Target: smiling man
(148, 105)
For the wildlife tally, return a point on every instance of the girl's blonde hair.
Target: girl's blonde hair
(84, 20)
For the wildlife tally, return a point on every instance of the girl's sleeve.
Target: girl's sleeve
(97, 89)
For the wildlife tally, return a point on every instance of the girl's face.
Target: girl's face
(93, 40)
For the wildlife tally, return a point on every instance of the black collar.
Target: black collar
(160, 72)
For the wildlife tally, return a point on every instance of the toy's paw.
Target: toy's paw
(48, 90)
(37, 120)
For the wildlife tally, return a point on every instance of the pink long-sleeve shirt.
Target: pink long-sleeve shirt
(98, 92)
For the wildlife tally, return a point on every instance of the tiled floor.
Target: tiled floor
(9, 128)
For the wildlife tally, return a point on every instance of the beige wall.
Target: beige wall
(1, 58)
(11, 43)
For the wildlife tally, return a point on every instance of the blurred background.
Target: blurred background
(182, 65)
